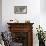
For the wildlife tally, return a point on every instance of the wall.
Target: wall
(34, 14)
(43, 14)
(33, 10)
(0, 15)
(43, 6)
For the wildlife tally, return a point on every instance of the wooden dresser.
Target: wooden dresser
(22, 33)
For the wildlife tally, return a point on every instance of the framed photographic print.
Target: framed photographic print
(20, 9)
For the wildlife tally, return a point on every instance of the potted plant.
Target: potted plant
(41, 36)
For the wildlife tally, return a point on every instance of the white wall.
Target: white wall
(43, 6)
(33, 10)
(0, 15)
(33, 14)
(43, 14)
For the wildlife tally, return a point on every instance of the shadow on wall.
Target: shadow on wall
(0, 23)
(0, 15)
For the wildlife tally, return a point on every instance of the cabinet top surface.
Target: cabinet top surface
(19, 23)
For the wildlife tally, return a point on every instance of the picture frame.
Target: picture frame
(20, 9)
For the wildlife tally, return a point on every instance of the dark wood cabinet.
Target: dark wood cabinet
(22, 33)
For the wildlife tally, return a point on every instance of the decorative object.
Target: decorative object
(45, 35)
(13, 21)
(20, 9)
(41, 36)
(27, 21)
(1, 40)
(7, 38)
